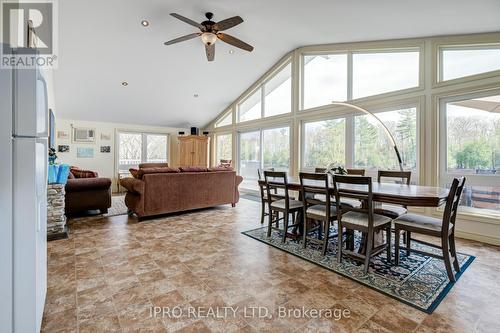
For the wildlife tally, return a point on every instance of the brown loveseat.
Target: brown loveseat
(86, 191)
(158, 191)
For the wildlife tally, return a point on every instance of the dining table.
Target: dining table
(390, 193)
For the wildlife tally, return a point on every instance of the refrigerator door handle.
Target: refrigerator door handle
(42, 119)
(41, 173)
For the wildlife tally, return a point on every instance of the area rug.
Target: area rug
(419, 281)
(117, 206)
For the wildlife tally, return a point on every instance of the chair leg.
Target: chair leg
(262, 212)
(453, 251)
(304, 230)
(396, 246)
(350, 235)
(285, 225)
(339, 242)
(408, 243)
(325, 236)
(389, 248)
(270, 224)
(277, 219)
(369, 247)
(446, 257)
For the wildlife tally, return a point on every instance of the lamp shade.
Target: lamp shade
(208, 38)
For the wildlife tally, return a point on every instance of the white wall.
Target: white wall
(104, 163)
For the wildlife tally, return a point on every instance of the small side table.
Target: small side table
(121, 174)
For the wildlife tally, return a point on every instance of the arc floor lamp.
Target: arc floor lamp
(387, 131)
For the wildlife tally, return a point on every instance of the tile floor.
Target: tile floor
(112, 271)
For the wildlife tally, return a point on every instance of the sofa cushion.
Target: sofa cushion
(220, 168)
(142, 172)
(193, 169)
(71, 176)
(153, 165)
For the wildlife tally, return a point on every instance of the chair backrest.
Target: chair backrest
(319, 170)
(226, 163)
(403, 176)
(260, 172)
(355, 187)
(356, 172)
(312, 184)
(275, 181)
(452, 203)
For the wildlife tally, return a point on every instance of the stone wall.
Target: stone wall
(56, 220)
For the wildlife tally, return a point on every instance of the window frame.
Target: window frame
(419, 48)
(444, 176)
(228, 113)
(144, 145)
(217, 135)
(261, 87)
(439, 81)
(261, 131)
(350, 144)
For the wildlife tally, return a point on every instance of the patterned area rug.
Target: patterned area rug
(420, 281)
(117, 206)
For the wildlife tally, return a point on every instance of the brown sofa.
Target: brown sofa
(166, 190)
(90, 193)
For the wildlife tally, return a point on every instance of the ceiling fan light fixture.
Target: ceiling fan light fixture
(208, 38)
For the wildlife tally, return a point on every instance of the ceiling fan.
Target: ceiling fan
(210, 33)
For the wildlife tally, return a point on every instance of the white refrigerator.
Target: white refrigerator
(24, 143)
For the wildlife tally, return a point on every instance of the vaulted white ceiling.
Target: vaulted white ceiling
(102, 43)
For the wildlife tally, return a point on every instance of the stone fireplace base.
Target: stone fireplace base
(56, 220)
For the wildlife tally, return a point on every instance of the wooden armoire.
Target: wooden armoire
(194, 150)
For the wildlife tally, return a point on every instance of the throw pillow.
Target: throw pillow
(79, 173)
(134, 172)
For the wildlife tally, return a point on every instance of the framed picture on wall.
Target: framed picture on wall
(84, 152)
(63, 135)
(105, 149)
(63, 148)
(105, 136)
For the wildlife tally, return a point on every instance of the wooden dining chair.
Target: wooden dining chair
(356, 172)
(325, 212)
(277, 181)
(353, 202)
(392, 211)
(362, 219)
(441, 228)
(319, 170)
(263, 195)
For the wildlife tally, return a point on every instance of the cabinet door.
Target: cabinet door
(186, 153)
(201, 153)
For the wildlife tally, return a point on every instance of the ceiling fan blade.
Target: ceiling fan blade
(210, 50)
(183, 38)
(188, 21)
(235, 42)
(228, 23)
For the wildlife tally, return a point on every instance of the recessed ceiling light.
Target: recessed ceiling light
(195, 95)
(231, 51)
(145, 23)
(124, 83)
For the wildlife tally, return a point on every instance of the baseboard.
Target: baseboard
(478, 237)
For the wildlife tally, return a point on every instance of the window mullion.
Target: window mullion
(349, 141)
(349, 76)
